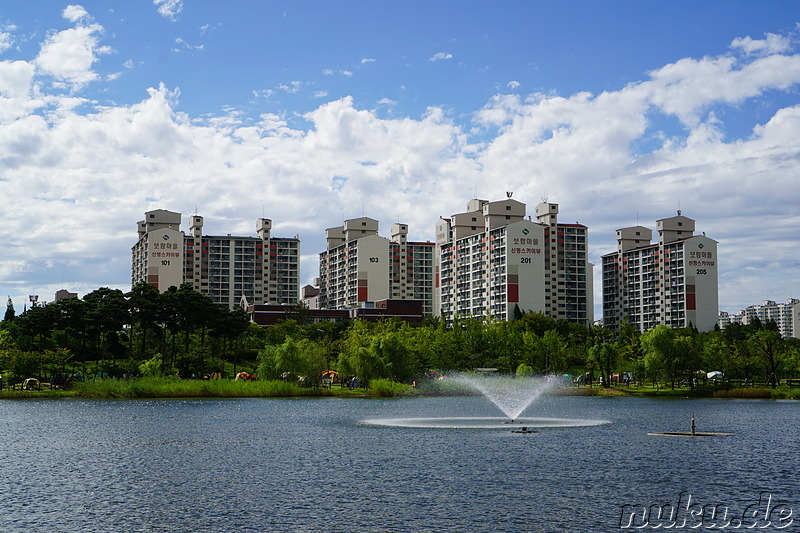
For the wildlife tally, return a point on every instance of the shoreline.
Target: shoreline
(166, 388)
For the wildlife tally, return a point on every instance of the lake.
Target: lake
(313, 465)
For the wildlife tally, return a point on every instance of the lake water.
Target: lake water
(312, 465)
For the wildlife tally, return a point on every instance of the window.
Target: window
(508, 208)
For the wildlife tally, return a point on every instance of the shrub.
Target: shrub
(386, 388)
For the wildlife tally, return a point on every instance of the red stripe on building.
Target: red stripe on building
(513, 292)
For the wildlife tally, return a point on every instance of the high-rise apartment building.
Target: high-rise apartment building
(671, 282)
(262, 269)
(360, 266)
(491, 260)
(786, 316)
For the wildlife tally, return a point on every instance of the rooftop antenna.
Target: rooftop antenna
(544, 196)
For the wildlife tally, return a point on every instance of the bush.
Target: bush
(744, 392)
(172, 387)
(386, 388)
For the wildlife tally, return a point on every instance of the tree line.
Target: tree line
(182, 332)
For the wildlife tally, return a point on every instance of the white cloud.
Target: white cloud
(206, 28)
(74, 13)
(188, 46)
(332, 72)
(367, 60)
(440, 56)
(68, 55)
(292, 87)
(686, 87)
(771, 44)
(59, 163)
(169, 8)
(513, 85)
(6, 37)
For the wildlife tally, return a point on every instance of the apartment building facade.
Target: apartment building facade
(672, 282)
(492, 261)
(360, 266)
(785, 315)
(228, 269)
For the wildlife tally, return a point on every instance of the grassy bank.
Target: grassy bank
(779, 393)
(222, 388)
(379, 388)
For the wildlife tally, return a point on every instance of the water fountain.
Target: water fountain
(511, 394)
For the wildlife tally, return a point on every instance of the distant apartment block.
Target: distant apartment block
(360, 266)
(671, 282)
(491, 260)
(229, 269)
(786, 316)
(405, 310)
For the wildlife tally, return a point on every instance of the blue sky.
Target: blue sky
(311, 112)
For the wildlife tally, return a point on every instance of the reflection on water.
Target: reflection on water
(484, 422)
(311, 465)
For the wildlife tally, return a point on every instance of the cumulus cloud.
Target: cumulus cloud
(74, 13)
(513, 85)
(6, 37)
(68, 55)
(97, 172)
(169, 8)
(440, 56)
(771, 44)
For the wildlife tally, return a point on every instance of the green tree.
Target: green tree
(146, 311)
(394, 356)
(771, 350)
(665, 355)
(604, 357)
(524, 370)
(10, 315)
(106, 314)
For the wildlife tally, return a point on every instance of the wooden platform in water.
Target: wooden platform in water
(690, 434)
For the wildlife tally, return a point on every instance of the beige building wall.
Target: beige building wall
(524, 244)
(701, 282)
